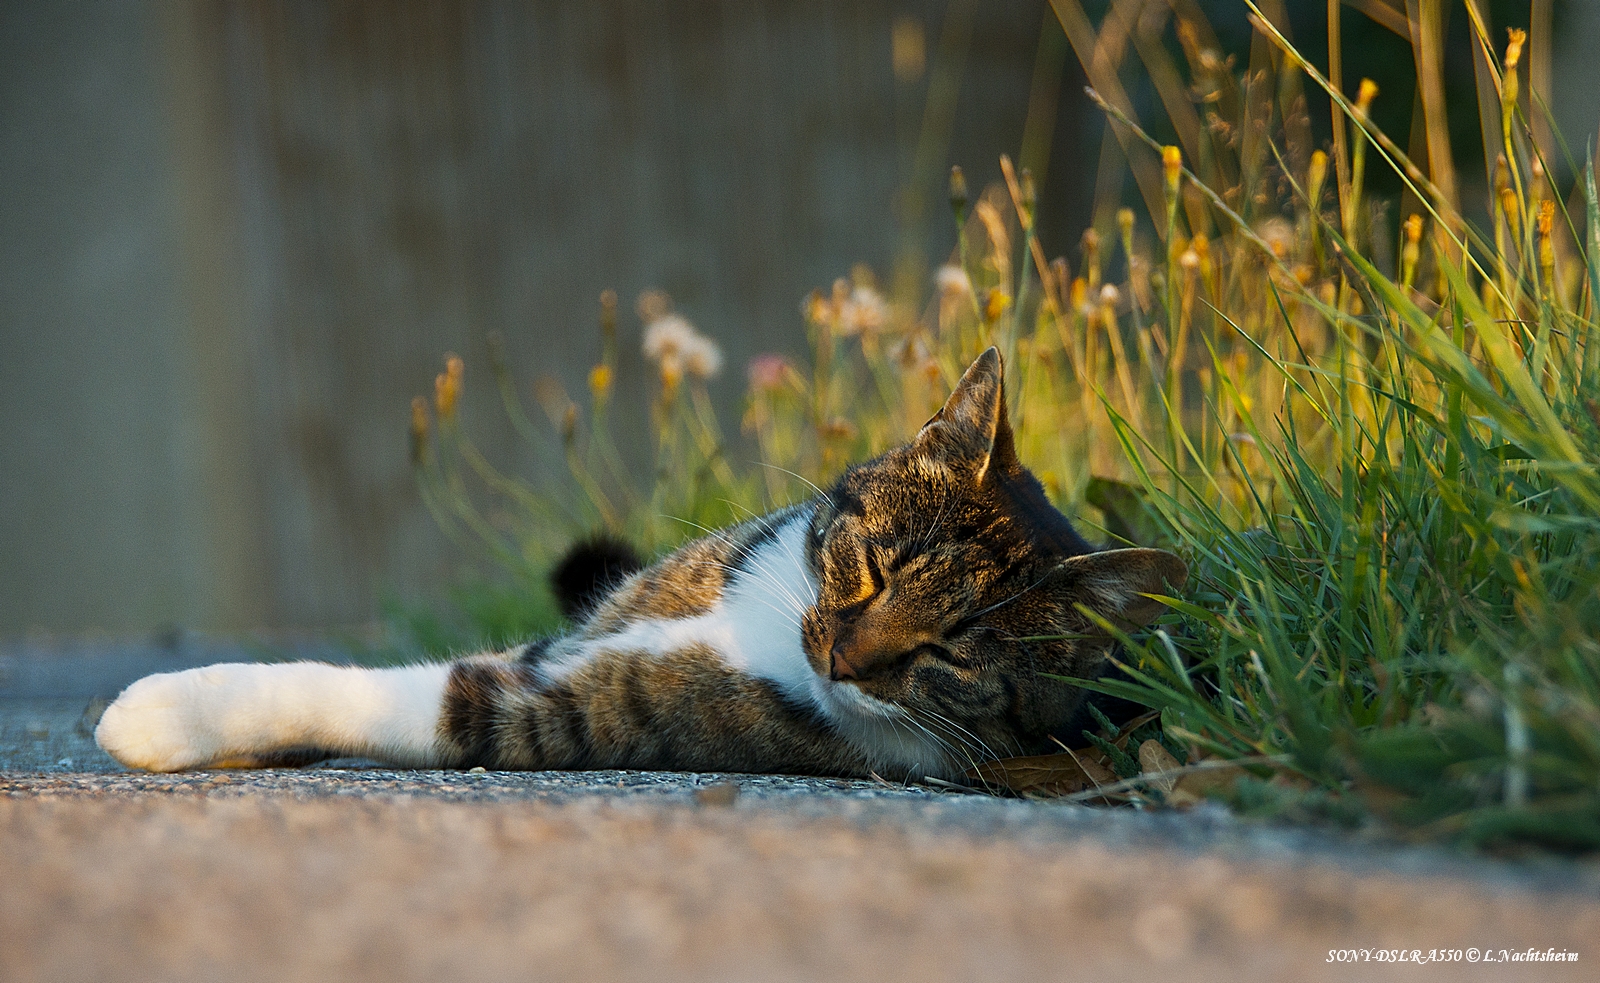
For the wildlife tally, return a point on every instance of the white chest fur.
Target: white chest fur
(755, 628)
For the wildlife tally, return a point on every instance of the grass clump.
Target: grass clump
(1378, 446)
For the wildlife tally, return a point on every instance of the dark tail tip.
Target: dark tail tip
(591, 568)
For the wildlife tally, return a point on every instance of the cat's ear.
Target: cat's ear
(1113, 582)
(971, 430)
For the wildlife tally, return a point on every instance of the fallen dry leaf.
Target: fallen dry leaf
(1046, 774)
(1193, 787)
(1154, 762)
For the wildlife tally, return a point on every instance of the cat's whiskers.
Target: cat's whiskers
(954, 751)
(1007, 600)
(791, 474)
(772, 584)
(962, 734)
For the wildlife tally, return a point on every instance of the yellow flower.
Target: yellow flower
(1508, 205)
(1079, 295)
(600, 381)
(1547, 217)
(995, 304)
(816, 308)
(1516, 38)
(1365, 94)
(671, 374)
(419, 430)
(1172, 164)
(447, 387)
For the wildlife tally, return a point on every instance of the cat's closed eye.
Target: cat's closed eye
(946, 655)
(875, 575)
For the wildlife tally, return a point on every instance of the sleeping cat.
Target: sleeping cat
(900, 623)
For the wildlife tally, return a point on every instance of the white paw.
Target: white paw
(160, 722)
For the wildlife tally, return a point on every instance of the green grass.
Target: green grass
(1386, 475)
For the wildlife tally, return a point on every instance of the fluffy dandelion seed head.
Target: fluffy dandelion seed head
(668, 337)
(865, 310)
(1109, 295)
(953, 281)
(677, 348)
(1278, 235)
(702, 358)
(1189, 260)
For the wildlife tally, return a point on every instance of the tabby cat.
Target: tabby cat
(902, 622)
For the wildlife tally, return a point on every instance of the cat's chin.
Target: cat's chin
(851, 700)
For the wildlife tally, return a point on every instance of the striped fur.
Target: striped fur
(905, 622)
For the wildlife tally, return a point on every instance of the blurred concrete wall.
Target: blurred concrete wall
(238, 237)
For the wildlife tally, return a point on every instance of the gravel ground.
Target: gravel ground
(370, 874)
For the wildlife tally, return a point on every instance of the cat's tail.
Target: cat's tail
(252, 715)
(590, 570)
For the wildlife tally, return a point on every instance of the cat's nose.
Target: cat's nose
(839, 667)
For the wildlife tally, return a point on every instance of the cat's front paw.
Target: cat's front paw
(158, 723)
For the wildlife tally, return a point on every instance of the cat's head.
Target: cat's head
(946, 580)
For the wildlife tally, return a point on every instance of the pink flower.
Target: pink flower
(770, 373)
